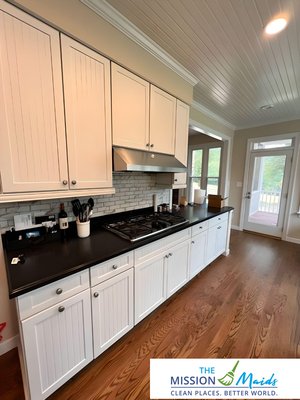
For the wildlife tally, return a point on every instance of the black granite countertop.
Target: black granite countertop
(48, 262)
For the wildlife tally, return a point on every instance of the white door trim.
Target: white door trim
(292, 135)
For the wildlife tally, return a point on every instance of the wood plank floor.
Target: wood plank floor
(243, 305)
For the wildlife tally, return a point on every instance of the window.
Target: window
(272, 144)
(213, 170)
(195, 176)
(204, 168)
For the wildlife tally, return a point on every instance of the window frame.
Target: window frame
(205, 147)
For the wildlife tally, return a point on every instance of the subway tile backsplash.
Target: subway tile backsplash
(133, 190)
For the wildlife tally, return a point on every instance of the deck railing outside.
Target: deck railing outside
(269, 201)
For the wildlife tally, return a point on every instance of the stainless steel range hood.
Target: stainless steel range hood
(145, 161)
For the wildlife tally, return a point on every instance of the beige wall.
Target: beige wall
(238, 169)
(201, 139)
(198, 116)
(76, 19)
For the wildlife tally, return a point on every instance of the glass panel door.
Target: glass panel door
(267, 191)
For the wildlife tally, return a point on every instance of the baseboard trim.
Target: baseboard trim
(292, 240)
(9, 344)
(236, 228)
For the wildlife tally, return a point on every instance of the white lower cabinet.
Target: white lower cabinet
(198, 253)
(161, 274)
(177, 261)
(112, 310)
(217, 237)
(57, 343)
(150, 288)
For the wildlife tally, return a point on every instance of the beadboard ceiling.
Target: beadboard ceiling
(222, 43)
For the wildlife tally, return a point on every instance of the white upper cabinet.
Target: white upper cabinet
(130, 109)
(55, 112)
(32, 142)
(182, 131)
(88, 115)
(162, 121)
(144, 116)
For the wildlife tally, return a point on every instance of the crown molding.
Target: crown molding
(111, 15)
(210, 114)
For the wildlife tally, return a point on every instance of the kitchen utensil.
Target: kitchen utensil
(91, 203)
(76, 207)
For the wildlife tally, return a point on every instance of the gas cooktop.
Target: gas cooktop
(143, 226)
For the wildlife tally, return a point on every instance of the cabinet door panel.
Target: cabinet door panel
(88, 115)
(198, 253)
(130, 109)
(57, 344)
(112, 310)
(216, 244)
(33, 145)
(177, 267)
(182, 131)
(162, 121)
(149, 286)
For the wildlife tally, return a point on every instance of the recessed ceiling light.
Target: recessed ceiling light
(275, 26)
(266, 107)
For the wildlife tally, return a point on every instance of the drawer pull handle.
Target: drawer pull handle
(59, 291)
(61, 308)
(114, 266)
(96, 294)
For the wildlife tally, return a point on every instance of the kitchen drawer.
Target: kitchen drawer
(143, 253)
(49, 295)
(108, 269)
(217, 220)
(202, 226)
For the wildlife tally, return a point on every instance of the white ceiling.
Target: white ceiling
(222, 43)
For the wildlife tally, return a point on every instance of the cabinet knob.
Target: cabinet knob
(219, 227)
(114, 266)
(151, 145)
(170, 254)
(148, 144)
(65, 182)
(193, 242)
(200, 227)
(61, 308)
(167, 256)
(96, 294)
(59, 291)
(175, 180)
(73, 182)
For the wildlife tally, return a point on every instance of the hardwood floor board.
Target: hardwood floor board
(244, 305)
